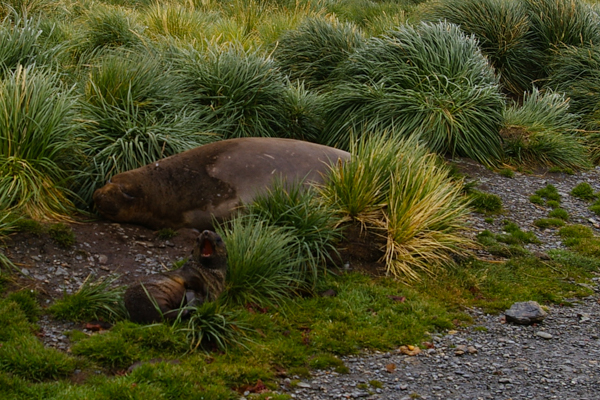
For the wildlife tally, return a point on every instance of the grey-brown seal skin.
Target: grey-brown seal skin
(201, 279)
(188, 189)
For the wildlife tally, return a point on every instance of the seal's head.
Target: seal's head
(118, 199)
(210, 251)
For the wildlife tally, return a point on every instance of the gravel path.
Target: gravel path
(559, 359)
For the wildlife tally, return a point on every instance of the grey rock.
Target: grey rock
(525, 313)
(543, 335)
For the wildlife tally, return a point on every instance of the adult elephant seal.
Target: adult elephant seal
(190, 188)
(202, 278)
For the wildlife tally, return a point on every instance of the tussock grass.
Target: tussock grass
(307, 218)
(313, 51)
(239, 92)
(430, 82)
(260, 269)
(574, 72)
(556, 23)
(135, 114)
(401, 192)
(8, 224)
(211, 324)
(177, 20)
(37, 148)
(94, 300)
(110, 27)
(22, 43)
(543, 132)
(503, 30)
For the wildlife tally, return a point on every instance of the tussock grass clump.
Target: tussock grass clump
(239, 92)
(541, 131)
(574, 71)
(430, 82)
(210, 323)
(37, 147)
(556, 23)
(8, 224)
(136, 113)
(313, 51)
(584, 191)
(504, 33)
(305, 114)
(397, 189)
(174, 19)
(22, 43)
(260, 269)
(94, 300)
(110, 27)
(310, 221)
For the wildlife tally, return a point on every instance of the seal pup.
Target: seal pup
(200, 279)
(193, 188)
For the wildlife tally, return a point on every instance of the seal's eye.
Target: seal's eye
(127, 195)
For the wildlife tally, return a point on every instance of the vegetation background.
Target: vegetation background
(89, 89)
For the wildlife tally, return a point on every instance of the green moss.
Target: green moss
(485, 203)
(26, 299)
(507, 173)
(584, 191)
(536, 199)
(553, 204)
(62, 234)
(166, 234)
(549, 193)
(545, 223)
(560, 213)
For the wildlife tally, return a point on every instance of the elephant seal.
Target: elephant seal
(189, 189)
(201, 279)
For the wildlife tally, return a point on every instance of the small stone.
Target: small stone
(543, 335)
(304, 385)
(525, 313)
(472, 350)
(460, 350)
(102, 259)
